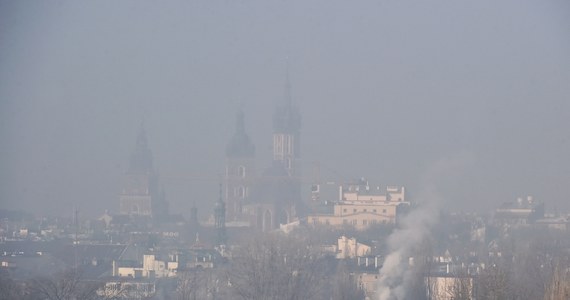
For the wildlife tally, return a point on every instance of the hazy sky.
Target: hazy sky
(385, 89)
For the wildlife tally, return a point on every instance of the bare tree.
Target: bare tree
(188, 285)
(114, 290)
(449, 287)
(277, 267)
(461, 287)
(493, 283)
(202, 284)
(64, 286)
(9, 289)
(345, 285)
(559, 285)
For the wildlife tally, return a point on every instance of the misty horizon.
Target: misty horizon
(385, 90)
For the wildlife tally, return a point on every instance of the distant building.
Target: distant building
(128, 289)
(558, 223)
(139, 194)
(151, 268)
(361, 206)
(368, 282)
(220, 220)
(265, 202)
(350, 248)
(522, 212)
(240, 172)
(449, 287)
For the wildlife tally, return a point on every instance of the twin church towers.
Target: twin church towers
(265, 199)
(262, 200)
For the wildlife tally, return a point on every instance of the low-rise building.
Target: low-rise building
(350, 248)
(127, 289)
(151, 268)
(361, 206)
(522, 212)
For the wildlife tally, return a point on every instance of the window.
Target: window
(288, 163)
(365, 210)
(344, 210)
(241, 192)
(354, 210)
(384, 210)
(241, 171)
(354, 222)
(364, 222)
(374, 210)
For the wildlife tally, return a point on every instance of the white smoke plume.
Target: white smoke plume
(395, 274)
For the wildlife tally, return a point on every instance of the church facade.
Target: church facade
(273, 197)
(140, 195)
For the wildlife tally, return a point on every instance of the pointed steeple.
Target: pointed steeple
(286, 118)
(141, 158)
(220, 199)
(194, 214)
(141, 137)
(240, 145)
(288, 99)
(240, 123)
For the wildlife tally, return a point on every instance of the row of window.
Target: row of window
(240, 171)
(351, 222)
(364, 222)
(240, 192)
(364, 210)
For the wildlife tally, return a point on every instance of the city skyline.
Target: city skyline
(385, 90)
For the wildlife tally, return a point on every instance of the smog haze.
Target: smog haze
(385, 89)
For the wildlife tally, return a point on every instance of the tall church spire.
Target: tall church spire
(288, 99)
(240, 145)
(286, 118)
(286, 130)
(140, 194)
(141, 158)
(240, 123)
(141, 136)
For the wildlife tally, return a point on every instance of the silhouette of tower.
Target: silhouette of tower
(273, 198)
(220, 219)
(278, 190)
(140, 195)
(240, 170)
(194, 214)
(286, 131)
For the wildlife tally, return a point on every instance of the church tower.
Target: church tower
(139, 194)
(280, 186)
(286, 132)
(240, 171)
(220, 219)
